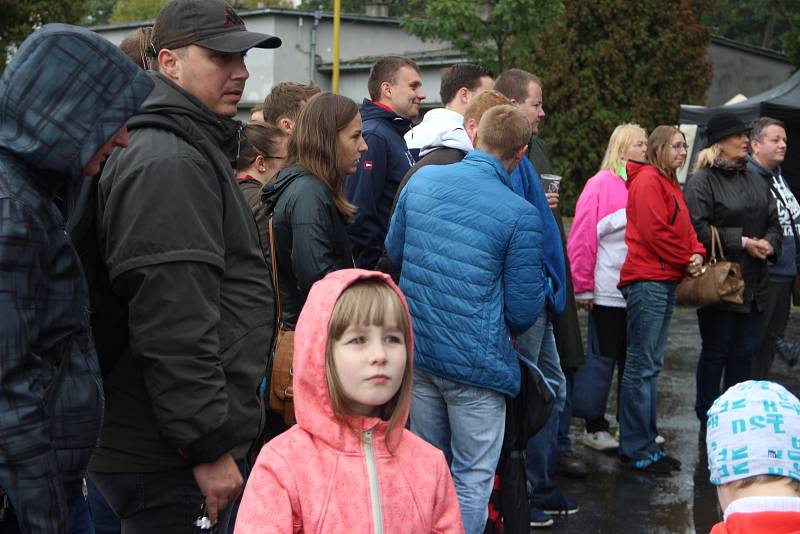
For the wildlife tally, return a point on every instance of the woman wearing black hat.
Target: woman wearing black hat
(724, 194)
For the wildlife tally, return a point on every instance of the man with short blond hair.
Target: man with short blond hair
(471, 255)
(395, 96)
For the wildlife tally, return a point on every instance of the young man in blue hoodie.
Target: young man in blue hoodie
(473, 274)
(395, 96)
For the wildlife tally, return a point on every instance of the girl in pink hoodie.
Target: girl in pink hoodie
(349, 465)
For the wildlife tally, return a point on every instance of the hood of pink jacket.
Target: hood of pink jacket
(312, 403)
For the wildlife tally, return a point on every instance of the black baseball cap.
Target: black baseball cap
(208, 23)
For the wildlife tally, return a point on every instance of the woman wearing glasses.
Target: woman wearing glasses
(261, 153)
(723, 193)
(596, 249)
(662, 249)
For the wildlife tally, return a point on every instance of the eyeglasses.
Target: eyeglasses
(678, 146)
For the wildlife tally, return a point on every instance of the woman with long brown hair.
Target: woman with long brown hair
(662, 249)
(306, 201)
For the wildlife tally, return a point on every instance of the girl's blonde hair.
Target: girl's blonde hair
(658, 146)
(707, 156)
(621, 138)
(369, 302)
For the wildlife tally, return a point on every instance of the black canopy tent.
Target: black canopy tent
(781, 102)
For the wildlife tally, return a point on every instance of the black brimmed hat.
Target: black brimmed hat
(722, 125)
(208, 23)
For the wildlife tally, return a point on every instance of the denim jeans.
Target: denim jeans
(565, 416)
(539, 345)
(730, 340)
(80, 522)
(104, 519)
(467, 424)
(158, 503)
(650, 306)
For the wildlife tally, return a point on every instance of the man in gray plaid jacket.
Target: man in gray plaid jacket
(64, 101)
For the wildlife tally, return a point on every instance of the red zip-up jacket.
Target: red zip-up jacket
(660, 237)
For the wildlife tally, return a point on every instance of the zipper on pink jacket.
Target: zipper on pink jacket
(374, 487)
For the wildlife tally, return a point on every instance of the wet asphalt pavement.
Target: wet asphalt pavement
(615, 500)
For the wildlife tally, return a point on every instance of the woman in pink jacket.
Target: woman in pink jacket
(349, 465)
(596, 249)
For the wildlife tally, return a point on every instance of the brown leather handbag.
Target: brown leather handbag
(720, 281)
(281, 393)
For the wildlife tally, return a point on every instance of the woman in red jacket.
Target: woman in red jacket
(662, 249)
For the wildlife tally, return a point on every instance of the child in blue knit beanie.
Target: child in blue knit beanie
(753, 442)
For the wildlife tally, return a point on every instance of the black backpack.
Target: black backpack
(109, 311)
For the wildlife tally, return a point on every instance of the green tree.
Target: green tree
(599, 70)
(497, 33)
(756, 22)
(397, 8)
(791, 40)
(21, 17)
(99, 11)
(137, 10)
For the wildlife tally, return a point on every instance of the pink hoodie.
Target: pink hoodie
(316, 477)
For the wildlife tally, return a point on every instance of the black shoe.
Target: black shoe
(572, 465)
(655, 465)
(671, 461)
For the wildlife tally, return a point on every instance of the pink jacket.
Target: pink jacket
(320, 477)
(596, 245)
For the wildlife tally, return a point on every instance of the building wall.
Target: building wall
(740, 68)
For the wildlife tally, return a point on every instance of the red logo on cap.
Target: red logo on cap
(232, 18)
(367, 165)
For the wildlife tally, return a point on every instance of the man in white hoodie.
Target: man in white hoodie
(445, 126)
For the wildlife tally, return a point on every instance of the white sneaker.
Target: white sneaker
(601, 441)
(660, 440)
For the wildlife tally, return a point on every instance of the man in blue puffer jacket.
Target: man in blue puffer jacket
(473, 274)
(64, 102)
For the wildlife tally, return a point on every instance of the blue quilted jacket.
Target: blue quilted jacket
(62, 97)
(473, 269)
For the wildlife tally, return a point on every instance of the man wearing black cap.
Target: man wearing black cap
(184, 260)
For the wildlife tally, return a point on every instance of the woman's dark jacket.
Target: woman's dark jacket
(738, 203)
(310, 235)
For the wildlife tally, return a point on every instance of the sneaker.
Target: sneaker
(655, 465)
(600, 441)
(571, 464)
(558, 504)
(540, 519)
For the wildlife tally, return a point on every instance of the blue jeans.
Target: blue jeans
(467, 424)
(538, 344)
(104, 519)
(565, 416)
(80, 522)
(650, 306)
(730, 340)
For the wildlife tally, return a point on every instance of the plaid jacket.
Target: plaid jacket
(61, 98)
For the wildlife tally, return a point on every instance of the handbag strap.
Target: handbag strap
(275, 270)
(716, 242)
